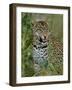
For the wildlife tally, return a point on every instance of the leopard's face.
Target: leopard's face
(40, 32)
(42, 36)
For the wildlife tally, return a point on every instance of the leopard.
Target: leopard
(40, 45)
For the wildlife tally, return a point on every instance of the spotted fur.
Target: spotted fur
(40, 45)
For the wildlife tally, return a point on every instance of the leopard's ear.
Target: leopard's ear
(46, 20)
(33, 23)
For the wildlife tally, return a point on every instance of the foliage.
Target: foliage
(26, 46)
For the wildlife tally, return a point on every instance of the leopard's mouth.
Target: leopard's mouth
(43, 40)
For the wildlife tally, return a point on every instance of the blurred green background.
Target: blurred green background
(55, 46)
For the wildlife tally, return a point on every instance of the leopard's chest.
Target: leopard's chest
(40, 54)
